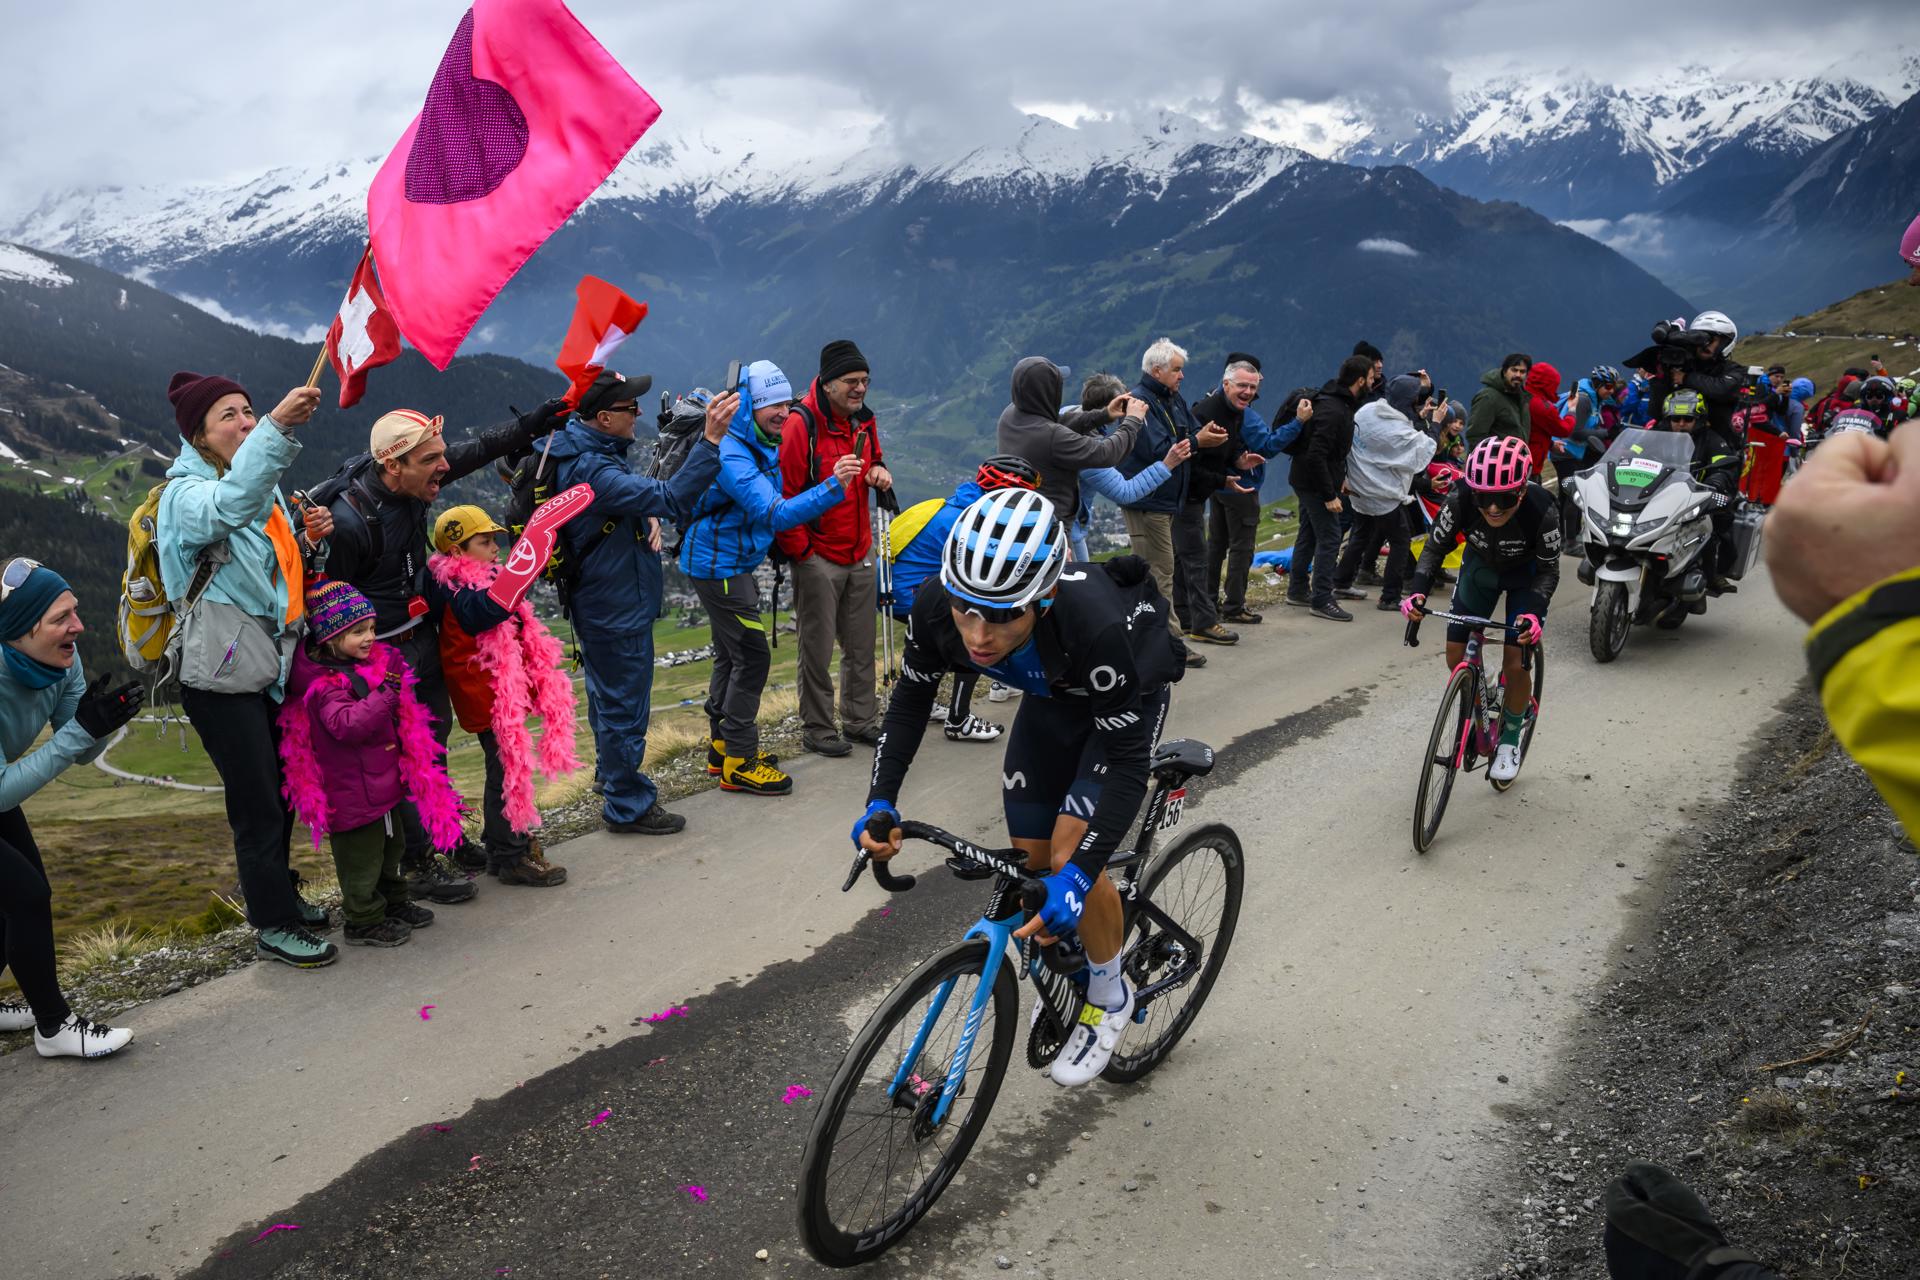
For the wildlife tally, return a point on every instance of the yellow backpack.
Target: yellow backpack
(147, 617)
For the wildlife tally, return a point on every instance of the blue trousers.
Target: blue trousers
(619, 670)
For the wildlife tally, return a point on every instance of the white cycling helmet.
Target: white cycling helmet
(1716, 322)
(1005, 551)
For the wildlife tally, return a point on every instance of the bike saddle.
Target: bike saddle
(1183, 758)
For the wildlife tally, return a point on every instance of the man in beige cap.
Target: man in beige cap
(380, 501)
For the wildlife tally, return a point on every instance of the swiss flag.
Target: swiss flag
(363, 335)
(603, 318)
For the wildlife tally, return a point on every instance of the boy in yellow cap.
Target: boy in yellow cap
(497, 681)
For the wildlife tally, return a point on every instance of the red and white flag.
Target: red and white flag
(603, 318)
(363, 335)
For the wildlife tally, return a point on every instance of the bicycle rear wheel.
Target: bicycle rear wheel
(1198, 884)
(1445, 746)
(875, 1160)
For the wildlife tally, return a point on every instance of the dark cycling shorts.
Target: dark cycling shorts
(1480, 588)
(1056, 763)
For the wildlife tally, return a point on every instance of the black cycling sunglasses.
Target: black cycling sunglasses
(1498, 501)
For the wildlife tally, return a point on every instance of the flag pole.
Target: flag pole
(320, 360)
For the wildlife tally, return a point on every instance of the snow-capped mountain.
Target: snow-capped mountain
(1572, 147)
(1082, 243)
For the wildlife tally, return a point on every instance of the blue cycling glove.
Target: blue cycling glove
(873, 807)
(1066, 898)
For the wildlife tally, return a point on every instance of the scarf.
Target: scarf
(524, 664)
(31, 672)
(422, 776)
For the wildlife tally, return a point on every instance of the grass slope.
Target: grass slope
(1876, 321)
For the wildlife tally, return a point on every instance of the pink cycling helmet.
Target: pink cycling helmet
(1498, 463)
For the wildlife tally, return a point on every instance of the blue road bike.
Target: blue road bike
(919, 1081)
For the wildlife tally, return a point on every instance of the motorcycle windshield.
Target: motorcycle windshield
(1641, 462)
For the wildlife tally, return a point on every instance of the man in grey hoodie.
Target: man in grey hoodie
(1030, 428)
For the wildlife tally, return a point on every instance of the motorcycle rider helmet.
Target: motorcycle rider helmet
(1006, 471)
(1005, 551)
(1717, 322)
(1877, 393)
(1499, 463)
(1685, 403)
(1906, 385)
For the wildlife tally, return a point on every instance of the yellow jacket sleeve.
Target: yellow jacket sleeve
(1865, 658)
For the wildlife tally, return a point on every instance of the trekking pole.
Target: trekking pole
(779, 571)
(887, 506)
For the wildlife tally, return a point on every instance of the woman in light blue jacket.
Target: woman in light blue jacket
(222, 506)
(42, 686)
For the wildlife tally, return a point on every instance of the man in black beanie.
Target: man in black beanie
(834, 591)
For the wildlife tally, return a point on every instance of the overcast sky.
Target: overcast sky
(102, 93)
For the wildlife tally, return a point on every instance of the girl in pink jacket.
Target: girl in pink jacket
(355, 742)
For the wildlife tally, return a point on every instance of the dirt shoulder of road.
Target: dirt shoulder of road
(1757, 1035)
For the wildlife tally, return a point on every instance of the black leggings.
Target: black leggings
(26, 921)
(962, 704)
(241, 734)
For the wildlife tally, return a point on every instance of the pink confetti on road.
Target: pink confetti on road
(795, 1092)
(697, 1194)
(473, 1165)
(278, 1226)
(671, 1011)
(440, 1128)
(426, 1012)
(656, 1062)
(600, 1119)
(885, 912)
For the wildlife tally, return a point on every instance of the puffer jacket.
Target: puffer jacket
(1544, 422)
(200, 507)
(732, 525)
(618, 584)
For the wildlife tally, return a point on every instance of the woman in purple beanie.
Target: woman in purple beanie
(222, 510)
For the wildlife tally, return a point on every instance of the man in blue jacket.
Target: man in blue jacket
(1169, 420)
(728, 534)
(617, 581)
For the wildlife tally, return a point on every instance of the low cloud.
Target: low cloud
(272, 328)
(1639, 236)
(1398, 248)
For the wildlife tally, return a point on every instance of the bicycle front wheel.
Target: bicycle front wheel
(1198, 884)
(877, 1159)
(1445, 747)
(1537, 668)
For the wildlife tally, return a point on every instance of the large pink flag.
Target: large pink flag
(525, 117)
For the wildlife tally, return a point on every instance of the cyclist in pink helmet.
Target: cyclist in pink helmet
(1512, 530)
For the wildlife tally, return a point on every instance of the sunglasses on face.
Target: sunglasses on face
(989, 613)
(622, 408)
(1497, 501)
(15, 575)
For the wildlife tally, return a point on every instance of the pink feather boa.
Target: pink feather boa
(524, 664)
(422, 776)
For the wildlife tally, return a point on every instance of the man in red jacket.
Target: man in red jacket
(833, 580)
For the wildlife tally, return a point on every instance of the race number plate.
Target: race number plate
(1176, 806)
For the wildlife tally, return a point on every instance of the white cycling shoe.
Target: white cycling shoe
(1506, 763)
(997, 692)
(78, 1038)
(974, 729)
(1092, 1041)
(15, 1016)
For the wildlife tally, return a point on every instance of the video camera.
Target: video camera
(1674, 345)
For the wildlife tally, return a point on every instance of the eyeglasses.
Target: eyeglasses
(1497, 501)
(15, 575)
(856, 384)
(633, 409)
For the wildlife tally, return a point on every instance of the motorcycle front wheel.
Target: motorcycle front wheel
(1610, 621)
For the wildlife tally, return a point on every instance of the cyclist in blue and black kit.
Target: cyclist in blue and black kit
(1090, 647)
(1512, 528)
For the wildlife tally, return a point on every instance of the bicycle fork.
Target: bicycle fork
(997, 934)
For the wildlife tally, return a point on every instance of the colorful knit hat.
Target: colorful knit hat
(333, 607)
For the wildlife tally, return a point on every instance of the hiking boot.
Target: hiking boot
(754, 778)
(1302, 602)
(1241, 617)
(78, 1038)
(1332, 612)
(532, 869)
(410, 915)
(312, 915)
(16, 1015)
(867, 737)
(1215, 634)
(296, 946)
(974, 729)
(716, 756)
(833, 748)
(1195, 660)
(1349, 593)
(390, 932)
(654, 822)
(435, 883)
(469, 856)
(1388, 606)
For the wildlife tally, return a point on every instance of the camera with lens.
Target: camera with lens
(1675, 344)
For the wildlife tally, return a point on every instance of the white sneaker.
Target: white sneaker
(1506, 763)
(939, 711)
(974, 729)
(78, 1038)
(997, 692)
(1092, 1041)
(15, 1016)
